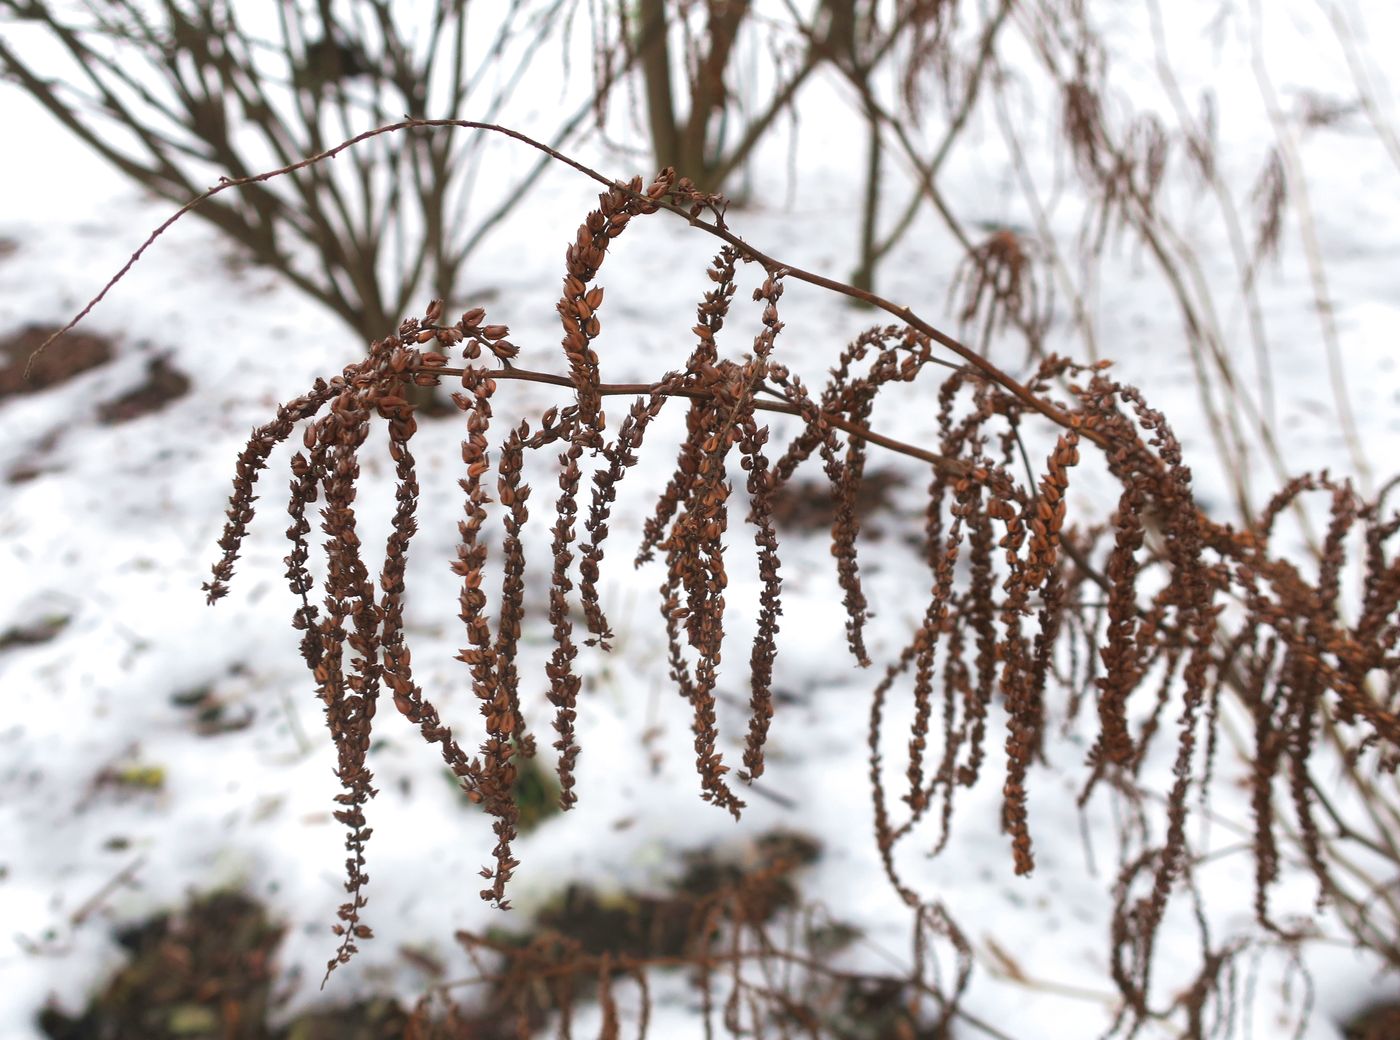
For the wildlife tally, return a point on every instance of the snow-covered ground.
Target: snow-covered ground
(117, 531)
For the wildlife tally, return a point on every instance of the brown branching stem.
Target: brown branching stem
(951, 466)
(903, 312)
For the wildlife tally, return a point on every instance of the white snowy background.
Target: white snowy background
(118, 530)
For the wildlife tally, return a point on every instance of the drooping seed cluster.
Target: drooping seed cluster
(1005, 627)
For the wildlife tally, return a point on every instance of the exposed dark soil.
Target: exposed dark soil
(641, 926)
(806, 504)
(1378, 1023)
(74, 353)
(23, 474)
(208, 973)
(164, 383)
(204, 973)
(33, 632)
(211, 713)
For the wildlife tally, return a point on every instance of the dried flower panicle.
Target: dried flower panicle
(1189, 611)
(579, 303)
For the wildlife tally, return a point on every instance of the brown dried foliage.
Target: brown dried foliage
(1004, 631)
(763, 965)
(998, 284)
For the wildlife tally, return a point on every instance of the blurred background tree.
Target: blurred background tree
(178, 94)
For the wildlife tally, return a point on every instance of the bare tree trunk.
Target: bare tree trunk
(656, 70)
(864, 275)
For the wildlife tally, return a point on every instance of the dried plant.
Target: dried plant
(1194, 611)
(763, 967)
(999, 288)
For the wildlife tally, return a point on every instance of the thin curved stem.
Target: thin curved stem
(901, 311)
(954, 467)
